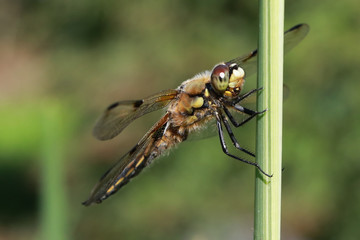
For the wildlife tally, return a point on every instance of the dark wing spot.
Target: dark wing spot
(294, 27)
(251, 55)
(86, 203)
(133, 149)
(113, 106)
(159, 132)
(138, 103)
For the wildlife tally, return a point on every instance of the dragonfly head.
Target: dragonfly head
(227, 80)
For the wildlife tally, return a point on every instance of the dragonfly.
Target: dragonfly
(208, 96)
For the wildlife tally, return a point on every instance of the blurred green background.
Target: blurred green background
(62, 62)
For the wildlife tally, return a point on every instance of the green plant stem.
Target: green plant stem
(269, 126)
(53, 204)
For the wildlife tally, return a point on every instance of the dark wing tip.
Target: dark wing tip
(90, 201)
(86, 203)
(295, 27)
(114, 105)
(138, 103)
(301, 26)
(304, 25)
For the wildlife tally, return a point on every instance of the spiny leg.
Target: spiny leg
(232, 136)
(225, 150)
(243, 110)
(242, 97)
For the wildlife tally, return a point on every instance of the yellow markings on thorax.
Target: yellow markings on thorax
(187, 103)
(228, 94)
(206, 93)
(191, 119)
(197, 102)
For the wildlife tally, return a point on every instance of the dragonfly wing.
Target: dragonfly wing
(120, 114)
(292, 37)
(208, 130)
(129, 165)
(116, 174)
(250, 101)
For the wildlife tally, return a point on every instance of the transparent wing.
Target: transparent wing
(292, 37)
(129, 165)
(250, 101)
(120, 114)
(207, 130)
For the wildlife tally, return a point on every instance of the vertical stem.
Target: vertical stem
(53, 207)
(269, 125)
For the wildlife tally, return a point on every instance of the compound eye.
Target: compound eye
(220, 78)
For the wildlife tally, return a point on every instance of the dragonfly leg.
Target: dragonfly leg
(232, 136)
(242, 97)
(225, 150)
(243, 110)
